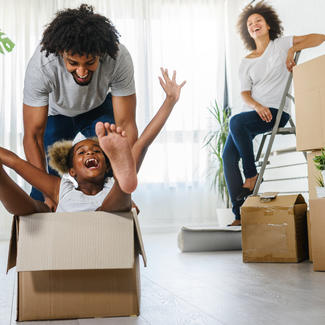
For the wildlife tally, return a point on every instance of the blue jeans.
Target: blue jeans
(243, 128)
(60, 127)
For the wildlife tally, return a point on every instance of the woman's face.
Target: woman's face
(257, 26)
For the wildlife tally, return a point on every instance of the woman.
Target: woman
(263, 75)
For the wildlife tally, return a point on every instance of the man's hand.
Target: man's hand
(263, 112)
(50, 203)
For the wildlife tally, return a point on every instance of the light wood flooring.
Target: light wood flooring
(204, 288)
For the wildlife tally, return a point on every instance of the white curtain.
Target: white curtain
(185, 35)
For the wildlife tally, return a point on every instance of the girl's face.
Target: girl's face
(257, 26)
(88, 161)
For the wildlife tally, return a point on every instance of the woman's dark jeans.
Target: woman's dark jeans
(60, 127)
(243, 128)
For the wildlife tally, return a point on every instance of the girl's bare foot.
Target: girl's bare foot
(114, 143)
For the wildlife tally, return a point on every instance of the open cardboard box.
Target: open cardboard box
(309, 88)
(76, 265)
(274, 228)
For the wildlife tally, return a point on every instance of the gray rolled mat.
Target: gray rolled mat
(198, 239)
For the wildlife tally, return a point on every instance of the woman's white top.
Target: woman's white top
(73, 200)
(266, 76)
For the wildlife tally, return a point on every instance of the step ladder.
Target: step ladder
(275, 131)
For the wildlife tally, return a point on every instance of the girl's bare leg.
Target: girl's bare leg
(16, 200)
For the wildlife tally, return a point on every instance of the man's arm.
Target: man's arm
(35, 119)
(124, 114)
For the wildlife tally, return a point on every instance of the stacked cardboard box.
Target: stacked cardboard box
(76, 265)
(274, 228)
(309, 87)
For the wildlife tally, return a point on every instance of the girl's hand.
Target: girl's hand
(170, 86)
(264, 113)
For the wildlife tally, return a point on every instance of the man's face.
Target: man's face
(82, 67)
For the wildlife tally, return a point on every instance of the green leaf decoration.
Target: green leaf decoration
(6, 44)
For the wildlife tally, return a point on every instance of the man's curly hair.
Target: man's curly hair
(270, 16)
(80, 31)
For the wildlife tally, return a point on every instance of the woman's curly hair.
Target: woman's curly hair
(60, 156)
(270, 16)
(80, 31)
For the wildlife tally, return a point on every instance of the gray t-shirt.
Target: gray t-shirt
(47, 82)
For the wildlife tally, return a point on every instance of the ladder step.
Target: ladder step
(288, 165)
(284, 179)
(283, 131)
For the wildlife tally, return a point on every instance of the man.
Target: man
(79, 75)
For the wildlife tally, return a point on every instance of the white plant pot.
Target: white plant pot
(320, 191)
(224, 217)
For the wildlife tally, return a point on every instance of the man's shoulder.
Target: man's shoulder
(40, 60)
(121, 53)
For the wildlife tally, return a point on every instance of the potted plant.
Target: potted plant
(319, 161)
(215, 140)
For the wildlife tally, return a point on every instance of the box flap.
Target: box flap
(75, 240)
(12, 254)
(139, 236)
(281, 201)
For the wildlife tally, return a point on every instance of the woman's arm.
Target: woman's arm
(300, 43)
(44, 182)
(262, 111)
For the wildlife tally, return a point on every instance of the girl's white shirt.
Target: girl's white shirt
(73, 200)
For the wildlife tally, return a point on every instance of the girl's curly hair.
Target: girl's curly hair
(270, 16)
(60, 156)
(80, 31)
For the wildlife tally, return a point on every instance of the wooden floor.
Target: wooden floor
(205, 288)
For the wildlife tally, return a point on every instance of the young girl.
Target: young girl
(87, 164)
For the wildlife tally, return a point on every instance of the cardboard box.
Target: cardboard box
(313, 174)
(76, 265)
(310, 250)
(309, 88)
(317, 220)
(274, 231)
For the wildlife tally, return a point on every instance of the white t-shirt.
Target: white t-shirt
(73, 200)
(47, 82)
(266, 76)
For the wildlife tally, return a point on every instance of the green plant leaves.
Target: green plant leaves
(215, 141)
(5, 43)
(320, 160)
